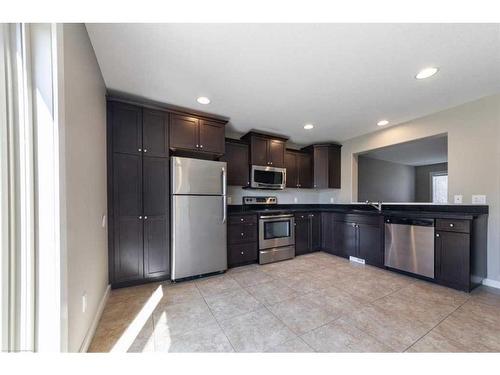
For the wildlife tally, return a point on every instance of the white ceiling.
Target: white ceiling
(423, 151)
(343, 78)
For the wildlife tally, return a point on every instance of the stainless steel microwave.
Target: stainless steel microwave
(267, 177)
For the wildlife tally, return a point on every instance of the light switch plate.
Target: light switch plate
(458, 199)
(84, 302)
(479, 199)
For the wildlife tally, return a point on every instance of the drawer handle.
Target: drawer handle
(242, 253)
(452, 225)
(242, 234)
(241, 219)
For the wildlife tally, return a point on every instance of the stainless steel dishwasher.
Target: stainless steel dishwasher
(409, 245)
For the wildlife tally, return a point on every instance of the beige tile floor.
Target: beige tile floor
(313, 303)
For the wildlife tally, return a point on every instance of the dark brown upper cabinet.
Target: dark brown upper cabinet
(266, 150)
(155, 132)
(191, 133)
(126, 127)
(236, 157)
(326, 165)
(298, 169)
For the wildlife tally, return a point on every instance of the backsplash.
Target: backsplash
(288, 196)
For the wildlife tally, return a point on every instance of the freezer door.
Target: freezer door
(194, 176)
(198, 235)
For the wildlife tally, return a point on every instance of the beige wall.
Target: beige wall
(85, 154)
(473, 159)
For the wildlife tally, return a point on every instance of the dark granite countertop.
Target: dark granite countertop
(408, 210)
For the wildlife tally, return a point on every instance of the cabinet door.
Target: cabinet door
(452, 259)
(236, 157)
(320, 167)
(315, 223)
(334, 167)
(327, 223)
(128, 226)
(211, 137)
(304, 170)
(184, 132)
(276, 153)
(156, 217)
(302, 241)
(155, 133)
(126, 123)
(259, 151)
(370, 244)
(344, 239)
(291, 170)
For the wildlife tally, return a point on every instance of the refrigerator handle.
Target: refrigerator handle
(224, 198)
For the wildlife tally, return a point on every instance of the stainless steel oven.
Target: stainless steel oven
(276, 237)
(267, 177)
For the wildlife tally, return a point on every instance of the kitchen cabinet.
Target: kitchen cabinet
(452, 253)
(236, 157)
(307, 232)
(138, 191)
(298, 169)
(190, 133)
(326, 165)
(266, 150)
(359, 236)
(242, 239)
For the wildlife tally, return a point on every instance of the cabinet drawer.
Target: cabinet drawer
(243, 219)
(242, 233)
(370, 219)
(453, 225)
(242, 253)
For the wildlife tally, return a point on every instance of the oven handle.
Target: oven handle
(276, 216)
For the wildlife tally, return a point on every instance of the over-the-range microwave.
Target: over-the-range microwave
(267, 177)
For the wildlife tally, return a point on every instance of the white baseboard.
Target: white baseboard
(491, 283)
(91, 332)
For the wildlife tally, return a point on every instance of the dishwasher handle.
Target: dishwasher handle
(409, 221)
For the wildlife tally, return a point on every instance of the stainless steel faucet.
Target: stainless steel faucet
(377, 205)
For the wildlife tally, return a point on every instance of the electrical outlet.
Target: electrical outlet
(458, 199)
(331, 200)
(229, 200)
(84, 302)
(295, 199)
(103, 221)
(479, 199)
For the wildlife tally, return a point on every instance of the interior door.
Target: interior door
(184, 132)
(128, 223)
(126, 122)
(155, 133)
(212, 137)
(199, 242)
(156, 216)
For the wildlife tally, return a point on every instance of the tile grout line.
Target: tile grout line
(211, 312)
(438, 323)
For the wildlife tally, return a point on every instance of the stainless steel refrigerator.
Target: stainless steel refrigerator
(198, 217)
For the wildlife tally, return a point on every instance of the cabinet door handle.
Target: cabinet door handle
(139, 149)
(242, 253)
(197, 146)
(140, 217)
(437, 234)
(145, 150)
(201, 146)
(145, 217)
(242, 234)
(241, 219)
(452, 225)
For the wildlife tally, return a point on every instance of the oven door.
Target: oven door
(276, 231)
(268, 177)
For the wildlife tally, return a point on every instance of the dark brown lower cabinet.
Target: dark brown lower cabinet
(307, 232)
(452, 252)
(371, 244)
(242, 240)
(344, 239)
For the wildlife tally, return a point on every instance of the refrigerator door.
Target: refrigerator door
(198, 235)
(198, 177)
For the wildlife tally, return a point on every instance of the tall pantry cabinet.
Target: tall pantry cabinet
(138, 193)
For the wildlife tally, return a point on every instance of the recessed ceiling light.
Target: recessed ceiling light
(426, 73)
(203, 100)
(382, 122)
(308, 126)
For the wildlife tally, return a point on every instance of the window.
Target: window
(439, 187)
